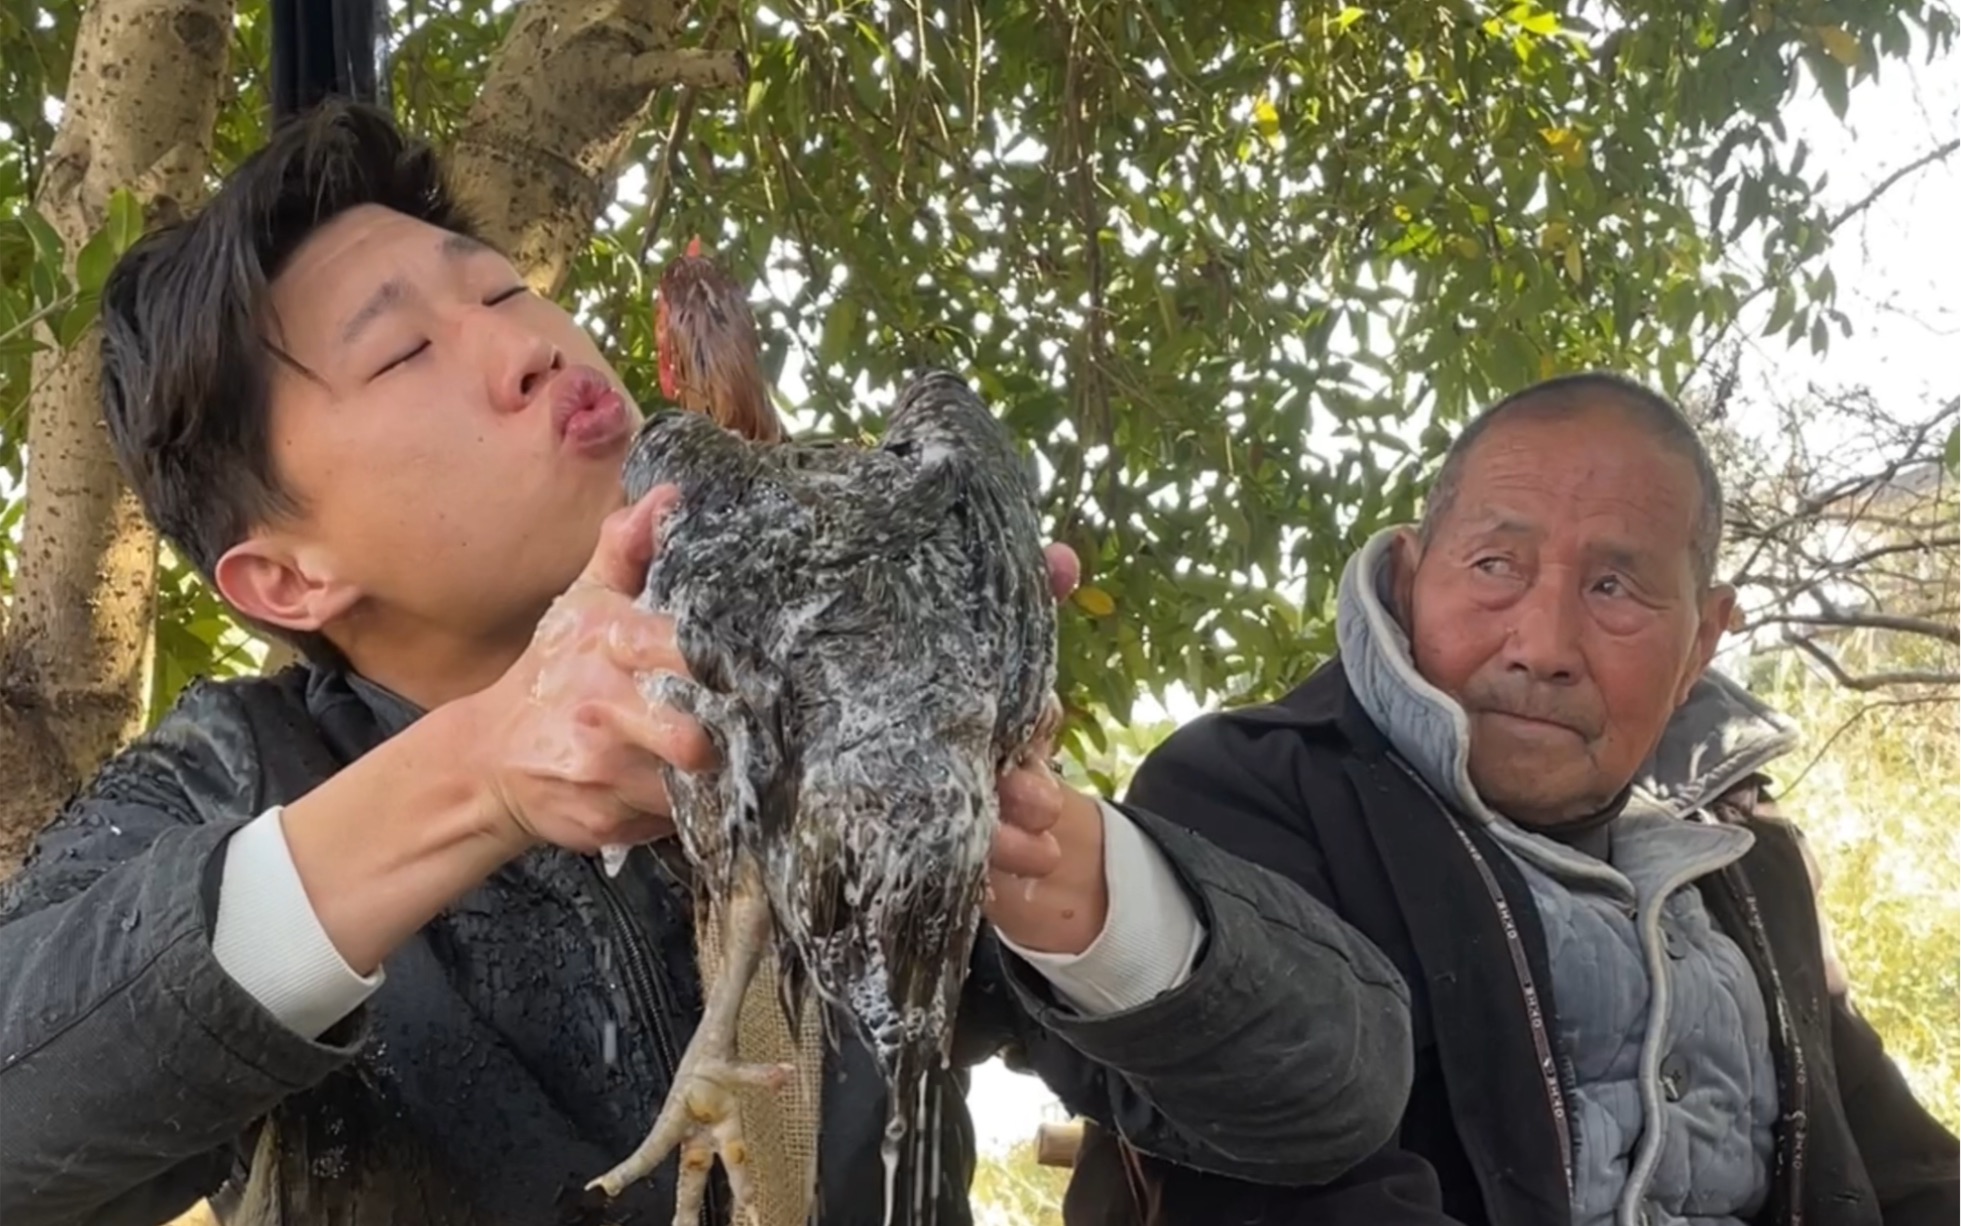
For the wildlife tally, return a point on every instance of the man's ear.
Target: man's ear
(1405, 555)
(270, 582)
(1718, 605)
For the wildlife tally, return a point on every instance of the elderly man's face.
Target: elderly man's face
(1557, 602)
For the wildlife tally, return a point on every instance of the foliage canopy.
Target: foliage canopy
(1219, 262)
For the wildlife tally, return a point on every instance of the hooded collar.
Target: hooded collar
(1428, 729)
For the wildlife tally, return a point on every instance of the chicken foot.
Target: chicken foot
(700, 1116)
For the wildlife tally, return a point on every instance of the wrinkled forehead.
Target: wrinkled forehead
(1594, 471)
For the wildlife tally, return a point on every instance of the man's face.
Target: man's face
(1557, 602)
(454, 451)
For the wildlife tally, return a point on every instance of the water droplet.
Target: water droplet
(609, 1042)
(130, 921)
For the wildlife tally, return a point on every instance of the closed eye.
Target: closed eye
(394, 362)
(500, 296)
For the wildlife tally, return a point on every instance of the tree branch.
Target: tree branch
(677, 131)
(690, 68)
(1863, 621)
(1871, 681)
(670, 156)
(1816, 572)
(1846, 726)
(562, 102)
(1887, 551)
(1936, 154)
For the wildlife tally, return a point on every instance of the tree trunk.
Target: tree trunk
(536, 160)
(142, 100)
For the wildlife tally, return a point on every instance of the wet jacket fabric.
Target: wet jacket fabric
(523, 1040)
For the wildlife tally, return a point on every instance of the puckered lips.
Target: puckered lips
(588, 413)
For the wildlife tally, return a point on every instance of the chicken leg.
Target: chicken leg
(700, 1116)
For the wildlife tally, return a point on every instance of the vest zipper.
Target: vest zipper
(648, 997)
(1790, 1144)
(1522, 970)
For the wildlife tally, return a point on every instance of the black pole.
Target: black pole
(324, 48)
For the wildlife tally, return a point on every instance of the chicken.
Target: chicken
(871, 637)
(706, 348)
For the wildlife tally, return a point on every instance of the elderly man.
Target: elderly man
(1622, 1016)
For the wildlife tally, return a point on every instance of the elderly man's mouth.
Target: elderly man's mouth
(1532, 725)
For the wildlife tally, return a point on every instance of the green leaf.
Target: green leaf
(93, 262)
(1516, 363)
(47, 284)
(125, 220)
(1833, 84)
(1545, 25)
(47, 244)
(1782, 308)
(72, 324)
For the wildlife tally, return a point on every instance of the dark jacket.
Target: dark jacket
(1311, 787)
(524, 1038)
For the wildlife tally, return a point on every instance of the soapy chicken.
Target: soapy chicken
(871, 636)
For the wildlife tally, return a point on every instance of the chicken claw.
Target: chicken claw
(701, 1117)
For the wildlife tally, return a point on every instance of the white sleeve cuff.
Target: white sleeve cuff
(1151, 935)
(270, 941)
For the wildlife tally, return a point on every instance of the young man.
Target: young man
(359, 424)
(1625, 1011)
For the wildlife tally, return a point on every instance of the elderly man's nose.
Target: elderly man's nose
(1544, 640)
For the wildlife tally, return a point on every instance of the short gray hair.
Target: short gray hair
(1571, 395)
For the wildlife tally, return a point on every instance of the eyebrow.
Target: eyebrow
(1617, 554)
(391, 293)
(1622, 557)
